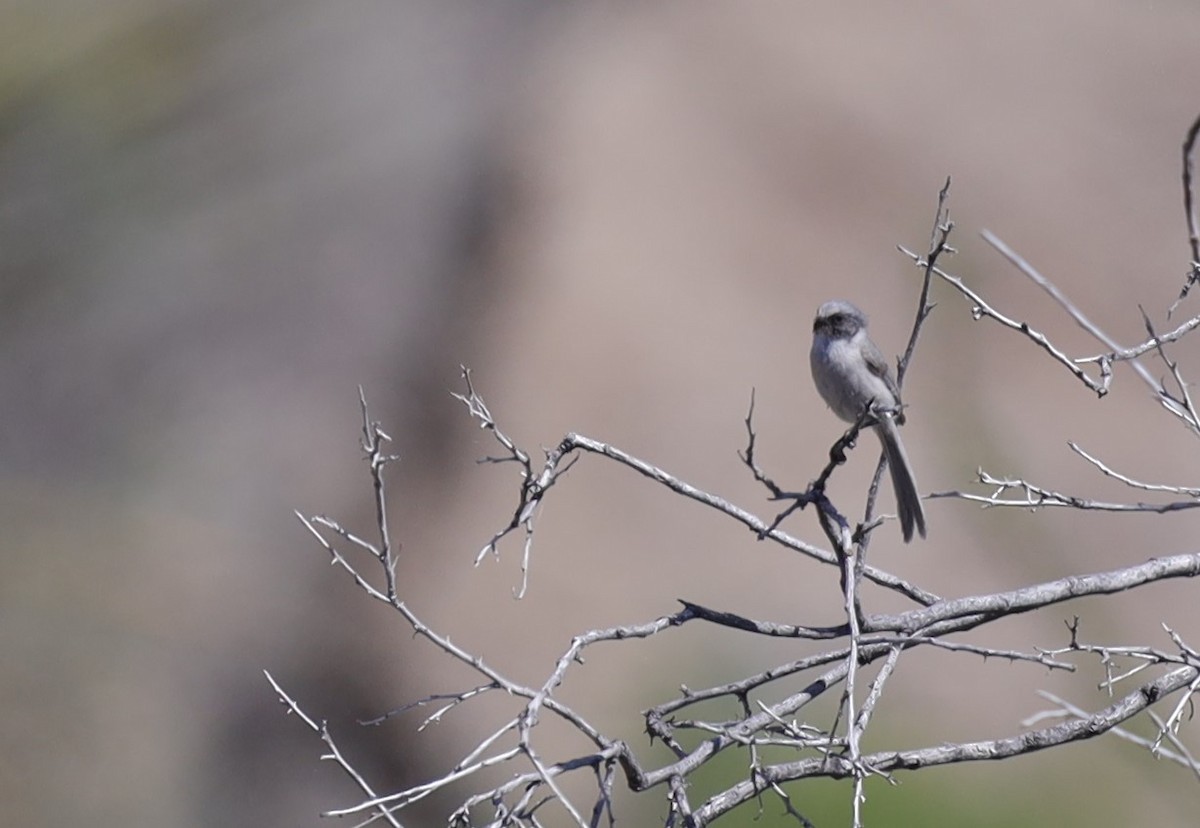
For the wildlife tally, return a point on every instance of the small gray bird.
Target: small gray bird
(851, 374)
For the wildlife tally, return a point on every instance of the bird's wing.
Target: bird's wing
(878, 366)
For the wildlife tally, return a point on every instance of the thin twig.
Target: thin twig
(334, 754)
(1036, 497)
(982, 309)
(1189, 211)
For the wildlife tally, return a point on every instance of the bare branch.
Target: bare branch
(1038, 595)
(532, 489)
(1189, 211)
(757, 718)
(1135, 351)
(334, 754)
(1028, 742)
(939, 239)
(1035, 497)
(867, 638)
(1181, 405)
(1024, 267)
(1128, 481)
(982, 309)
(1183, 757)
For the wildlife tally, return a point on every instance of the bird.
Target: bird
(852, 375)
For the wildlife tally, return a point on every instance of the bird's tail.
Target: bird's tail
(908, 501)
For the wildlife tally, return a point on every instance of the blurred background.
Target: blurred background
(218, 218)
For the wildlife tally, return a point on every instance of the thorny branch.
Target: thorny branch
(981, 309)
(1177, 402)
(756, 712)
(533, 487)
(1034, 497)
(1189, 210)
(881, 638)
